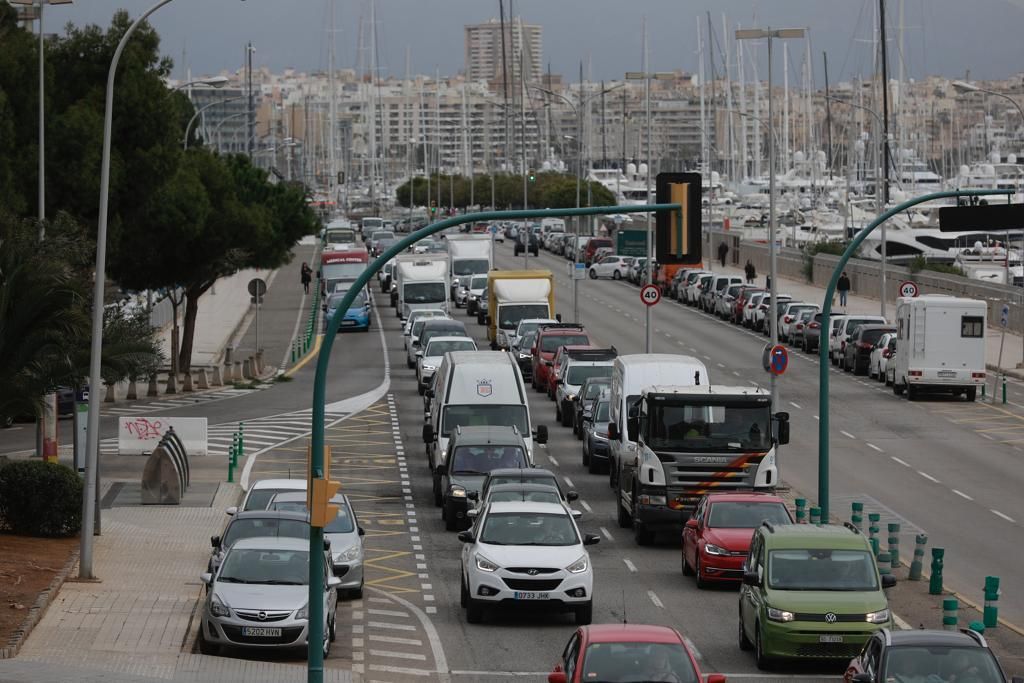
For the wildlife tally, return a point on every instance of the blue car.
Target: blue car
(357, 317)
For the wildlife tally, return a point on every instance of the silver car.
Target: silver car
(256, 524)
(429, 358)
(259, 598)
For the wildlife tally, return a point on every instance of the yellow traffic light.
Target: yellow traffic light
(322, 512)
(309, 471)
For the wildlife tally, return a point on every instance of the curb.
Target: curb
(1009, 372)
(38, 609)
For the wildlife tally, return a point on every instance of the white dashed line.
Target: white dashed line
(847, 434)
(735, 373)
(568, 482)
(795, 405)
(874, 447)
(928, 477)
(607, 534)
(986, 436)
(721, 365)
(902, 462)
(585, 505)
(656, 600)
(962, 495)
(997, 513)
(816, 417)
(553, 461)
(629, 565)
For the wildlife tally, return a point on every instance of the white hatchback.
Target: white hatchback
(615, 267)
(520, 553)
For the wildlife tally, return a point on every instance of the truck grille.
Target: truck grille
(736, 474)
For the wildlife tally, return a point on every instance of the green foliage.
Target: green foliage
(546, 191)
(810, 250)
(40, 499)
(131, 349)
(921, 263)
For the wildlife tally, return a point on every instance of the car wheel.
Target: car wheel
(585, 614)
(687, 571)
(409, 364)
(701, 583)
(205, 646)
(438, 498)
(972, 393)
(566, 418)
(327, 644)
(761, 659)
(332, 632)
(586, 455)
(744, 642)
(451, 521)
(356, 593)
(558, 412)
(897, 388)
(474, 611)
(593, 274)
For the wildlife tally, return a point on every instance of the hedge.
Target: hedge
(40, 499)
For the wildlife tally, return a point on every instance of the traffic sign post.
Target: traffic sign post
(257, 288)
(775, 359)
(1004, 322)
(909, 288)
(650, 294)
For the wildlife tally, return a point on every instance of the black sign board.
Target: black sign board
(678, 242)
(985, 217)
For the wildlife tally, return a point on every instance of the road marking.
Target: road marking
(735, 373)
(553, 461)
(387, 613)
(568, 482)
(987, 436)
(795, 405)
(874, 447)
(585, 505)
(962, 495)
(629, 565)
(721, 365)
(928, 477)
(816, 417)
(394, 640)
(847, 434)
(656, 600)
(607, 534)
(391, 654)
(392, 627)
(902, 462)
(997, 513)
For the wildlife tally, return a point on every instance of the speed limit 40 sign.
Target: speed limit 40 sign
(650, 294)
(909, 288)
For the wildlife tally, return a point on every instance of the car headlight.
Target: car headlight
(485, 565)
(578, 566)
(712, 549)
(571, 397)
(457, 492)
(780, 615)
(524, 356)
(879, 617)
(350, 554)
(218, 608)
(429, 368)
(303, 612)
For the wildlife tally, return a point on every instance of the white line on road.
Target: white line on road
(721, 365)
(928, 477)
(607, 534)
(586, 506)
(629, 565)
(874, 447)
(902, 462)
(848, 435)
(392, 654)
(962, 495)
(816, 417)
(552, 459)
(986, 436)
(735, 373)
(997, 513)
(656, 600)
(568, 482)
(795, 405)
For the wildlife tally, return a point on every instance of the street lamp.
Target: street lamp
(647, 77)
(212, 81)
(769, 34)
(188, 127)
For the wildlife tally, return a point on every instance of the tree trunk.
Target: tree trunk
(192, 294)
(175, 302)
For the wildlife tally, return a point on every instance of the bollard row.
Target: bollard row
(236, 451)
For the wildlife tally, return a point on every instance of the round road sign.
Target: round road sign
(257, 287)
(909, 288)
(779, 360)
(650, 294)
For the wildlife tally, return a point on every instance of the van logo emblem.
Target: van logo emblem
(831, 618)
(262, 616)
(484, 388)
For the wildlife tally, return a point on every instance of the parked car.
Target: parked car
(788, 316)
(926, 655)
(256, 524)
(750, 308)
(857, 356)
(723, 302)
(740, 304)
(842, 331)
(693, 290)
(880, 356)
(593, 244)
(803, 319)
(590, 390)
(262, 490)
(610, 266)
(809, 336)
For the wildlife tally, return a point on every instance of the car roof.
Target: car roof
(933, 637)
(269, 514)
(500, 435)
(632, 633)
(520, 486)
(525, 506)
(271, 543)
(445, 338)
(522, 472)
(442, 323)
(812, 537)
(884, 328)
(291, 484)
(744, 498)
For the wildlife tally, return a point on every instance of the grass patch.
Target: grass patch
(921, 263)
(254, 384)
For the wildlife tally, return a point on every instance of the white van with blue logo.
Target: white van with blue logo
(473, 389)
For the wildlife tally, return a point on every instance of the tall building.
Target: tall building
(523, 44)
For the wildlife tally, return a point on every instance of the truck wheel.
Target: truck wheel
(624, 519)
(897, 388)
(911, 392)
(972, 393)
(641, 535)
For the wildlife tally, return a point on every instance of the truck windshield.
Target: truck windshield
(342, 271)
(470, 266)
(708, 427)
(483, 416)
(340, 235)
(821, 570)
(424, 292)
(509, 315)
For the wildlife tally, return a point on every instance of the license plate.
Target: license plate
(947, 373)
(530, 595)
(261, 632)
(347, 322)
(830, 639)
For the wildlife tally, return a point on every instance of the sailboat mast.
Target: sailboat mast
(885, 100)
(373, 106)
(332, 163)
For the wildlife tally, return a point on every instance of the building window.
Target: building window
(972, 326)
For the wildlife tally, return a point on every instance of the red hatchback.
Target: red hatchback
(628, 652)
(549, 338)
(716, 539)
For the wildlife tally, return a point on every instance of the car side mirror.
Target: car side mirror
(557, 677)
(327, 544)
(361, 531)
(571, 496)
(233, 510)
(466, 536)
(215, 541)
(750, 578)
(442, 468)
(591, 539)
(613, 431)
(419, 353)
(576, 514)
(428, 433)
(542, 434)
(473, 495)
(888, 581)
(1017, 679)
(206, 577)
(333, 582)
(691, 523)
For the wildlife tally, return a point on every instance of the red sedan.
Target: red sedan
(716, 539)
(615, 653)
(549, 338)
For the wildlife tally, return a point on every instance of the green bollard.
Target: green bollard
(231, 471)
(950, 607)
(918, 564)
(935, 583)
(991, 614)
(233, 452)
(816, 515)
(241, 439)
(873, 530)
(977, 627)
(857, 517)
(984, 384)
(894, 544)
(884, 563)
(801, 511)
(1004, 388)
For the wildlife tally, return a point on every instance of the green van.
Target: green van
(810, 592)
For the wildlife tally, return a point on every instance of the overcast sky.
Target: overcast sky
(210, 35)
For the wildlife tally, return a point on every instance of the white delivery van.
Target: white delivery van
(940, 345)
(631, 374)
(422, 282)
(471, 389)
(468, 255)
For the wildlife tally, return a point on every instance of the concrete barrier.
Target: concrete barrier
(216, 380)
(202, 381)
(236, 371)
(247, 368)
(153, 389)
(139, 435)
(167, 473)
(186, 385)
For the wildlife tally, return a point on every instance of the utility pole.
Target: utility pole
(252, 101)
(885, 140)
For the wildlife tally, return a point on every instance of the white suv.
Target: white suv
(523, 553)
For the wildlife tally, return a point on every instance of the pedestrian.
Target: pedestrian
(723, 249)
(307, 276)
(750, 272)
(843, 287)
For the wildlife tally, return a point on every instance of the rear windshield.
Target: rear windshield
(550, 343)
(580, 374)
(738, 515)
(853, 323)
(872, 336)
(273, 527)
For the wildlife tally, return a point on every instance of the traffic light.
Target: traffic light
(309, 471)
(532, 177)
(322, 512)
(678, 238)
(433, 206)
(341, 177)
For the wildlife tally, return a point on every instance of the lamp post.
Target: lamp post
(647, 77)
(769, 34)
(212, 81)
(93, 429)
(188, 128)
(879, 201)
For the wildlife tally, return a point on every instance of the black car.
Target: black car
(534, 244)
(522, 354)
(857, 355)
(925, 655)
(590, 390)
(595, 435)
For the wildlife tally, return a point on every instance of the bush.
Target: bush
(921, 263)
(40, 499)
(810, 250)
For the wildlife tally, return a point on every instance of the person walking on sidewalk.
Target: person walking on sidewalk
(843, 287)
(307, 276)
(723, 249)
(750, 272)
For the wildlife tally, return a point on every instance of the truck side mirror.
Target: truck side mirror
(613, 430)
(783, 429)
(633, 424)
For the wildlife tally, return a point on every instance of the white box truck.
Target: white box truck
(468, 255)
(940, 345)
(422, 281)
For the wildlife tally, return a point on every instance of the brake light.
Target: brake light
(866, 345)
(977, 375)
(814, 326)
(842, 346)
(788, 319)
(914, 373)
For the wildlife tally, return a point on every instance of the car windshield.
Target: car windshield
(524, 328)
(937, 663)
(529, 528)
(424, 292)
(264, 526)
(746, 515)
(511, 314)
(439, 348)
(470, 266)
(478, 282)
(259, 498)
(526, 341)
(336, 235)
(821, 569)
(708, 427)
(382, 234)
(275, 567)
(577, 375)
(335, 300)
(482, 459)
(483, 416)
(551, 342)
(602, 412)
(343, 523)
(592, 389)
(537, 496)
(853, 323)
(637, 663)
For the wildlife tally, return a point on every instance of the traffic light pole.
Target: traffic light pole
(315, 658)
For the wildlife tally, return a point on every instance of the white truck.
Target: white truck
(468, 255)
(940, 345)
(422, 282)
